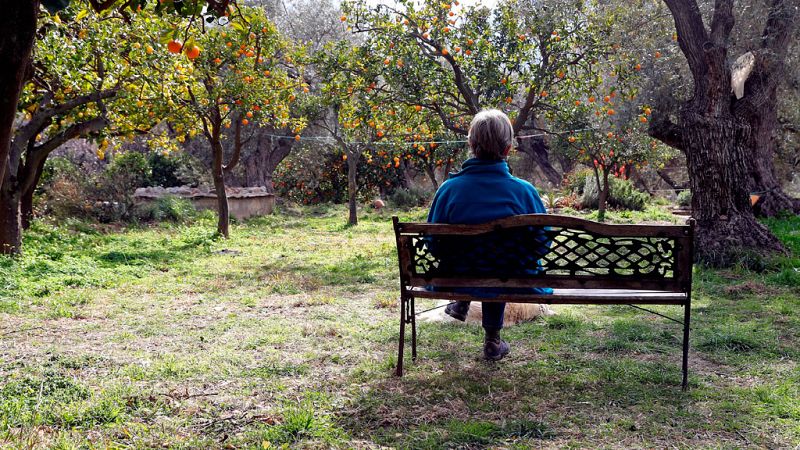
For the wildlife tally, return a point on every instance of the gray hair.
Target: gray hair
(490, 134)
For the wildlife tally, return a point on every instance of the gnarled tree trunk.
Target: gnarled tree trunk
(10, 226)
(18, 22)
(536, 149)
(261, 164)
(714, 141)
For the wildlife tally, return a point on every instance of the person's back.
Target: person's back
(485, 190)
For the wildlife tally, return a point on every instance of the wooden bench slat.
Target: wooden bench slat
(545, 220)
(568, 297)
(552, 281)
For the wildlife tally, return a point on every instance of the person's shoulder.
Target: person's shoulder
(523, 184)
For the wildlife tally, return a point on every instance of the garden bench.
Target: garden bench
(585, 262)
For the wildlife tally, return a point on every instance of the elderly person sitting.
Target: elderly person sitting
(485, 190)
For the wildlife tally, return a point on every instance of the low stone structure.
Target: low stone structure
(242, 202)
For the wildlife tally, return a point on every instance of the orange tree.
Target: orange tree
(237, 75)
(608, 125)
(19, 22)
(89, 76)
(364, 120)
(453, 60)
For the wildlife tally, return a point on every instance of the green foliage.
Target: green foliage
(685, 198)
(623, 195)
(410, 198)
(168, 207)
(285, 309)
(164, 169)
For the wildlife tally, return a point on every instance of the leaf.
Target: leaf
(81, 14)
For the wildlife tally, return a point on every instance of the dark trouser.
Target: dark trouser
(492, 314)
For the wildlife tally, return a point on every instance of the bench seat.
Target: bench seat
(584, 262)
(567, 297)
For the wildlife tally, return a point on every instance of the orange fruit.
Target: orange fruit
(249, 115)
(445, 52)
(418, 107)
(193, 52)
(343, 18)
(577, 103)
(591, 99)
(174, 46)
(658, 55)
(296, 137)
(643, 119)
(638, 67)
(571, 139)
(610, 112)
(217, 61)
(245, 121)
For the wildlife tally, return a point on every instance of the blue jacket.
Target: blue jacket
(481, 192)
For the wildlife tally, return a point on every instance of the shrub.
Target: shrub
(409, 198)
(685, 198)
(575, 181)
(164, 170)
(166, 208)
(623, 195)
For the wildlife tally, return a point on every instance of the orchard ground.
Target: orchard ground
(163, 336)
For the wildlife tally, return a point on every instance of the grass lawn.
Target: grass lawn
(285, 335)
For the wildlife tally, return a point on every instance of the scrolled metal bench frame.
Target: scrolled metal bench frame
(590, 262)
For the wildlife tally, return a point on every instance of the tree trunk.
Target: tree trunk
(536, 149)
(432, 176)
(352, 187)
(18, 22)
(714, 141)
(759, 107)
(763, 181)
(602, 196)
(260, 165)
(726, 228)
(28, 190)
(10, 226)
(219, 187)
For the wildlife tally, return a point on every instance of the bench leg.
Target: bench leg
(402, 342)
(413, 318)
(686, 317)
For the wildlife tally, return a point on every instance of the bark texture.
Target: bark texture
(715, 141)
(10, 225)
(218, 174)
(352, 187)
(18, 22)
(757, 108)
(536, 148)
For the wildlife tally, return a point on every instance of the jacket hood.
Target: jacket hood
(476, 166)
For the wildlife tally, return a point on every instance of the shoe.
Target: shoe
(494, 349)
(457, 311)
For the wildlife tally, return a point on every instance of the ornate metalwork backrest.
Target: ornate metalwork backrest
(546, 251)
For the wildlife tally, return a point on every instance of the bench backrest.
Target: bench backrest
(545, 250)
